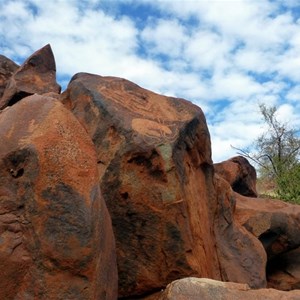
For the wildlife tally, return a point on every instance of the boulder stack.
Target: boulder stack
(108, 191)
(157, 178)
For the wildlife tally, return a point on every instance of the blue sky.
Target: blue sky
(226, 56)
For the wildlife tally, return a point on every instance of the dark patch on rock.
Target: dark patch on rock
(68, 215)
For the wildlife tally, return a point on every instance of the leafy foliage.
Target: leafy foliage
(277, 155)
(288, 185)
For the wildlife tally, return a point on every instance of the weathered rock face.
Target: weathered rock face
(274, 222)
(36, 75)
(277, 225)
(241, 255)
(7, 68)
(202, 288)
(156, 172)
(156, 176)
(240, 175)
(55, 231)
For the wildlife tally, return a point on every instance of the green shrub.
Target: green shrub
(288, 185)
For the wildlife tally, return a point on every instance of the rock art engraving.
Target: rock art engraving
(154, 130)
(146, 104)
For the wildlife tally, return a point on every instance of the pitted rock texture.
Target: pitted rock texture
(207, 289)
(37, 75)
(154, 159)
(240, 174)
(55, 231)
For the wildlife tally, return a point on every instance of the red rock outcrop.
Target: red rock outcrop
(174, 213)
(274, 222)
(277, 225)
(240, 174)
(241, 255)
(154, 162)
(36, 75)
(154, 159)
(7, 68)
(202, 288)
(55, 231)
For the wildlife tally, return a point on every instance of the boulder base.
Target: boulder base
(202, 288)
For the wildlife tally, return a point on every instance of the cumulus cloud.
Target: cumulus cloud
(226, 56)
(294, 95)
(158, 38)
(287, 114)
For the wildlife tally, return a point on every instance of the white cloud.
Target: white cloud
(294, 94)
(81, 40)
(15, 9)
(207, 50)
(254, 60)
(221, 148)
(165, 37)
(235, 86)
(286, 114)
(226, 56)
(289, 64)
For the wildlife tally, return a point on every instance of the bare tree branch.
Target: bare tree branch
(277, 149)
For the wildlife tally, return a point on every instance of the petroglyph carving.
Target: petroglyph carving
(146, 104)
(154, 130)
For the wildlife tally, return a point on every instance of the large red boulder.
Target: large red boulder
(207, 289)
(240, 174)
(37, 75)
(156, 174)
(154, 161)
(55, 231)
